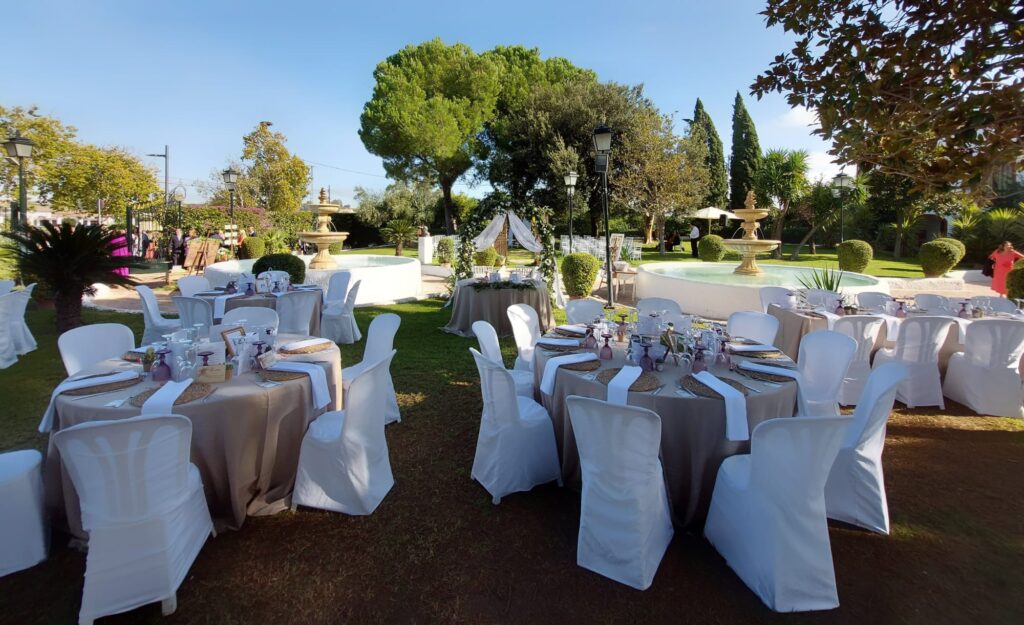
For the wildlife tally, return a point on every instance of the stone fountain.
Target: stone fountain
(749, 245)
(324, 236)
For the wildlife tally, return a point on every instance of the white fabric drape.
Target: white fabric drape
(522, 232)
(486, 238)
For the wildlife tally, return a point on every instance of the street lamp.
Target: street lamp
(602, 160)
(230, 176)
(570, 190)
(840, 183)
(20, 148)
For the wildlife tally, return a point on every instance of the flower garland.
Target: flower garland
(503, 284)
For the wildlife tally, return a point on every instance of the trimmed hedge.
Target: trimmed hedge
(282, 262)
(445, 251)
(1015, 281)
(938, 257)
(854, 255)
(958, 244)
(579, 270)
(486, 258)
(335, 248)
(710, 249)
(252, 247)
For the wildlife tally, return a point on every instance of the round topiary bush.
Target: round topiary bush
(445, 251)
(486, 258)
(335, 248)
(282, 262)
(1015, 281)
(959, 245)
(938, 257)
(579, 270)
(252, 247)
(854, 255)
(710, 248)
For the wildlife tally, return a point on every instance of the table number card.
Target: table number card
(268, 359)
(212, 374)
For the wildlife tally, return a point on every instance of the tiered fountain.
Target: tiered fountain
(324, 236)
(749, 245)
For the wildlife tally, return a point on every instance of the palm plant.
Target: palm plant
(826, 279)
(399, 232)
(781, 178)
(69, 260)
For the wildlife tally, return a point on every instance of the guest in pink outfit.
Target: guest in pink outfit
(120, 248)
(1004, 257)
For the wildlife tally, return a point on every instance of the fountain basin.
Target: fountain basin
(712, 289)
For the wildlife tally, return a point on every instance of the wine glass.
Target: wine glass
(606, 350)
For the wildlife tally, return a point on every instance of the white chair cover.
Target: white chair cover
(583, 310)
(515, 449)
(855, 491)
(863, 330)
(193, 311)
(296, 309)
(156, 325)
(142, 505)
(338, 323)
(917, 347)
(934, 304)
(995, 304)
(6, 286)
(487, 337)
(526, 331)
(767, 515)
(24, 538)
(822, 297)
(380, 342)
(873, 300)
(778, 295)
(190, 285)
(85, 346)
(823, 361)
(658, 304)
(625, 525)
(337, 288)
(21, 336)
(986, 376)
(251, 317)
(8, 355)
(343, 462)
(757, 326)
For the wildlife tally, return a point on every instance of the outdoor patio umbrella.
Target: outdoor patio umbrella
(711, 213)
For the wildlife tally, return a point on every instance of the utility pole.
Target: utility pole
(167, 173)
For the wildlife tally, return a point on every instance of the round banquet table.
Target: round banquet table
(245, 438)
(693, 442)
(490, 305)
(266, 300)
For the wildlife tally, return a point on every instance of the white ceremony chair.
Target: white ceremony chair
(142, 506)
(295, 311)
(250, 317)
(515, 449)
(756, 326)
(855, 491)
(6, 286)
(873, 300)
(21, 336)
(194, 311)
(986, 376)
(649, 305)
(337, 288)
(380, 341)
(917, 346)
(8, 355)
(156, 325)
(343, 463)
(778, 295)
(190, 285)
(338, 322)
(526, 331)
(583, 310)
(487, 337)
(864, 330)
(934, 304)
(767, 515)
(994, 304)
(24, 539)
(625, 525)
(85, 346)
(823, 360)
(822, 298)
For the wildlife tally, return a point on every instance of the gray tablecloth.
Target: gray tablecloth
(793, 325)
(693, 442)
(490, 305)
(245, 440)
(270, 301)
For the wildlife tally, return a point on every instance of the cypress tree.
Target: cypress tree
(718, 182)
(746, 154)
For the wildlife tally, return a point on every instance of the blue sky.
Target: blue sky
(198, 75)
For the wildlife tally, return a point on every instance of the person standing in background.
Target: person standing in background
(1004, 257)
(694, 238)
(177, 247)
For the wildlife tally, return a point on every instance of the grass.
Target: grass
(437, 551)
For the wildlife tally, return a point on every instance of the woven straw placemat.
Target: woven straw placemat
(309, 349)
(697, 387)
(281, 376)
(131, 357)
(646, 382)
(766, 377)
(103, 388)
(196, 390)
(587, 365)
(572, 335)
(772, 355)
(559, 348)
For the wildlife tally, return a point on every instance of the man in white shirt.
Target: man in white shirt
(694, 237)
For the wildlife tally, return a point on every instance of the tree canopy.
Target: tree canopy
(781, 179)
(718, 180)
(746, 154)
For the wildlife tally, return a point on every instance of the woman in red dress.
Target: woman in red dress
(1003, 257)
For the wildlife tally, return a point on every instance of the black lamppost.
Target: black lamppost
(602, 161)
(841, 183)
(570, 190)
(230, 176)
(20, 148)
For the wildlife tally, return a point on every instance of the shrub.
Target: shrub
(579, 270)
(335, 248)
(252, 247)
(710, 248)
(854, 255)
(486, 258)
(938, 257)
(445, 251)
(1015, 281)
(282, 262)
(958, 244)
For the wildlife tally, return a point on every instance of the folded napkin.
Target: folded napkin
(220, 301)
(547, 382)
(962, 326)
(892, 325)
(618, 387)
(75, 383)
(742, 347)
(558, 342)
(162, 401)
(574, 329)
(736, 428)
(830, 317)
(302, 344)
(317, 379)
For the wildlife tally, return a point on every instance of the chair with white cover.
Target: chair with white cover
(625, 525)
(526, 331)
(985, 377)
(934, 304)
(24, 539)
(823, 360)
(251, 317)
(156, 324)
(338, 322)
(190, 285)
(515, 449)
(650, 305)
(822, 298)
(380, 341)
(8, 355)
(767, 515)
(756, 326)
(295, 311)
(873, 300)
(337, 288)
(21, 336)
(343, 462)
(855, 491)
(142, 505)
(994, 304)
(583, 310)
(487, 337)
(917, 346)
(87, 345)
(778, 295)
(194, 311)
(6, 286)
(864, 330)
